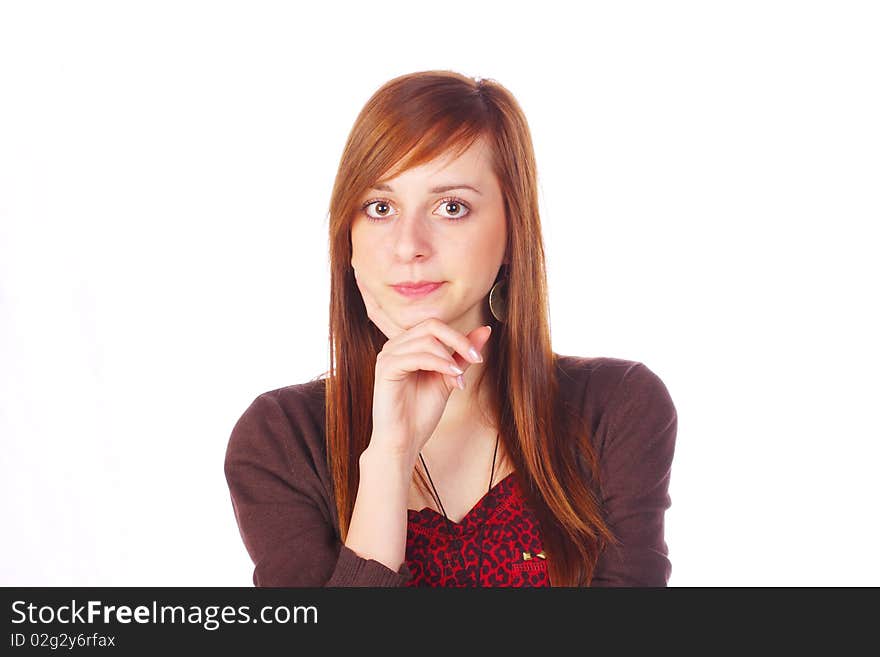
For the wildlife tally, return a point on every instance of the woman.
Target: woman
(449, 445)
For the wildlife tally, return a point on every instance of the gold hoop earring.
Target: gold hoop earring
(498, 300)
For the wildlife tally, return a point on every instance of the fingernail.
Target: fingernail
(460, 381)
(456, 370)
(475, 355)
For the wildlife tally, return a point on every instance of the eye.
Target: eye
(456, 208)
(379, 204)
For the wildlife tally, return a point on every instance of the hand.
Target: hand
(413, 379)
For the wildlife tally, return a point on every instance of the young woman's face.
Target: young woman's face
(412, 230)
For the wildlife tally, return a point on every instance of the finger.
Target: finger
(458, 341)
(429, 344)
(375, 312)
(398, 366)
(480, 336)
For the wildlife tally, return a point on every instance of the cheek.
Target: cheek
(361, 260)
(365, 263)
(483, 247)
(359, 250)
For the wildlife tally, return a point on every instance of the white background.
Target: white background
(709, 194)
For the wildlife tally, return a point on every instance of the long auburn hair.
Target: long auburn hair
(420, 116)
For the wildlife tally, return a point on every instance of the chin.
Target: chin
(416, 315)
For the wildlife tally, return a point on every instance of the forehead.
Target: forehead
(472, 165)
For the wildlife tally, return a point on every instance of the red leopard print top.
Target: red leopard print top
(448, 554)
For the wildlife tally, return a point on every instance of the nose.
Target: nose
(412, 236)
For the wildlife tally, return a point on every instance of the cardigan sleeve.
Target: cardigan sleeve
(277, 501)
(635, 466)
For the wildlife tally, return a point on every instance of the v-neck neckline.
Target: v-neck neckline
(471, 516)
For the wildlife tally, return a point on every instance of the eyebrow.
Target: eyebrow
(436, 190)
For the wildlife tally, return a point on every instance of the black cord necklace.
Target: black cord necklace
(449, 522)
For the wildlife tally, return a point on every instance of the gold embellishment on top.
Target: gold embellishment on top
(528, 555)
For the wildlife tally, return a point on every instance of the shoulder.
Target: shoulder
(281, 422)
(600, 371)
(603, 378)
(611, 393)
(299, 401)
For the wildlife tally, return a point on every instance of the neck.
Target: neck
(467, 419)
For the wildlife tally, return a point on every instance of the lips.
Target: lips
(416, 284)
(418, 289)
